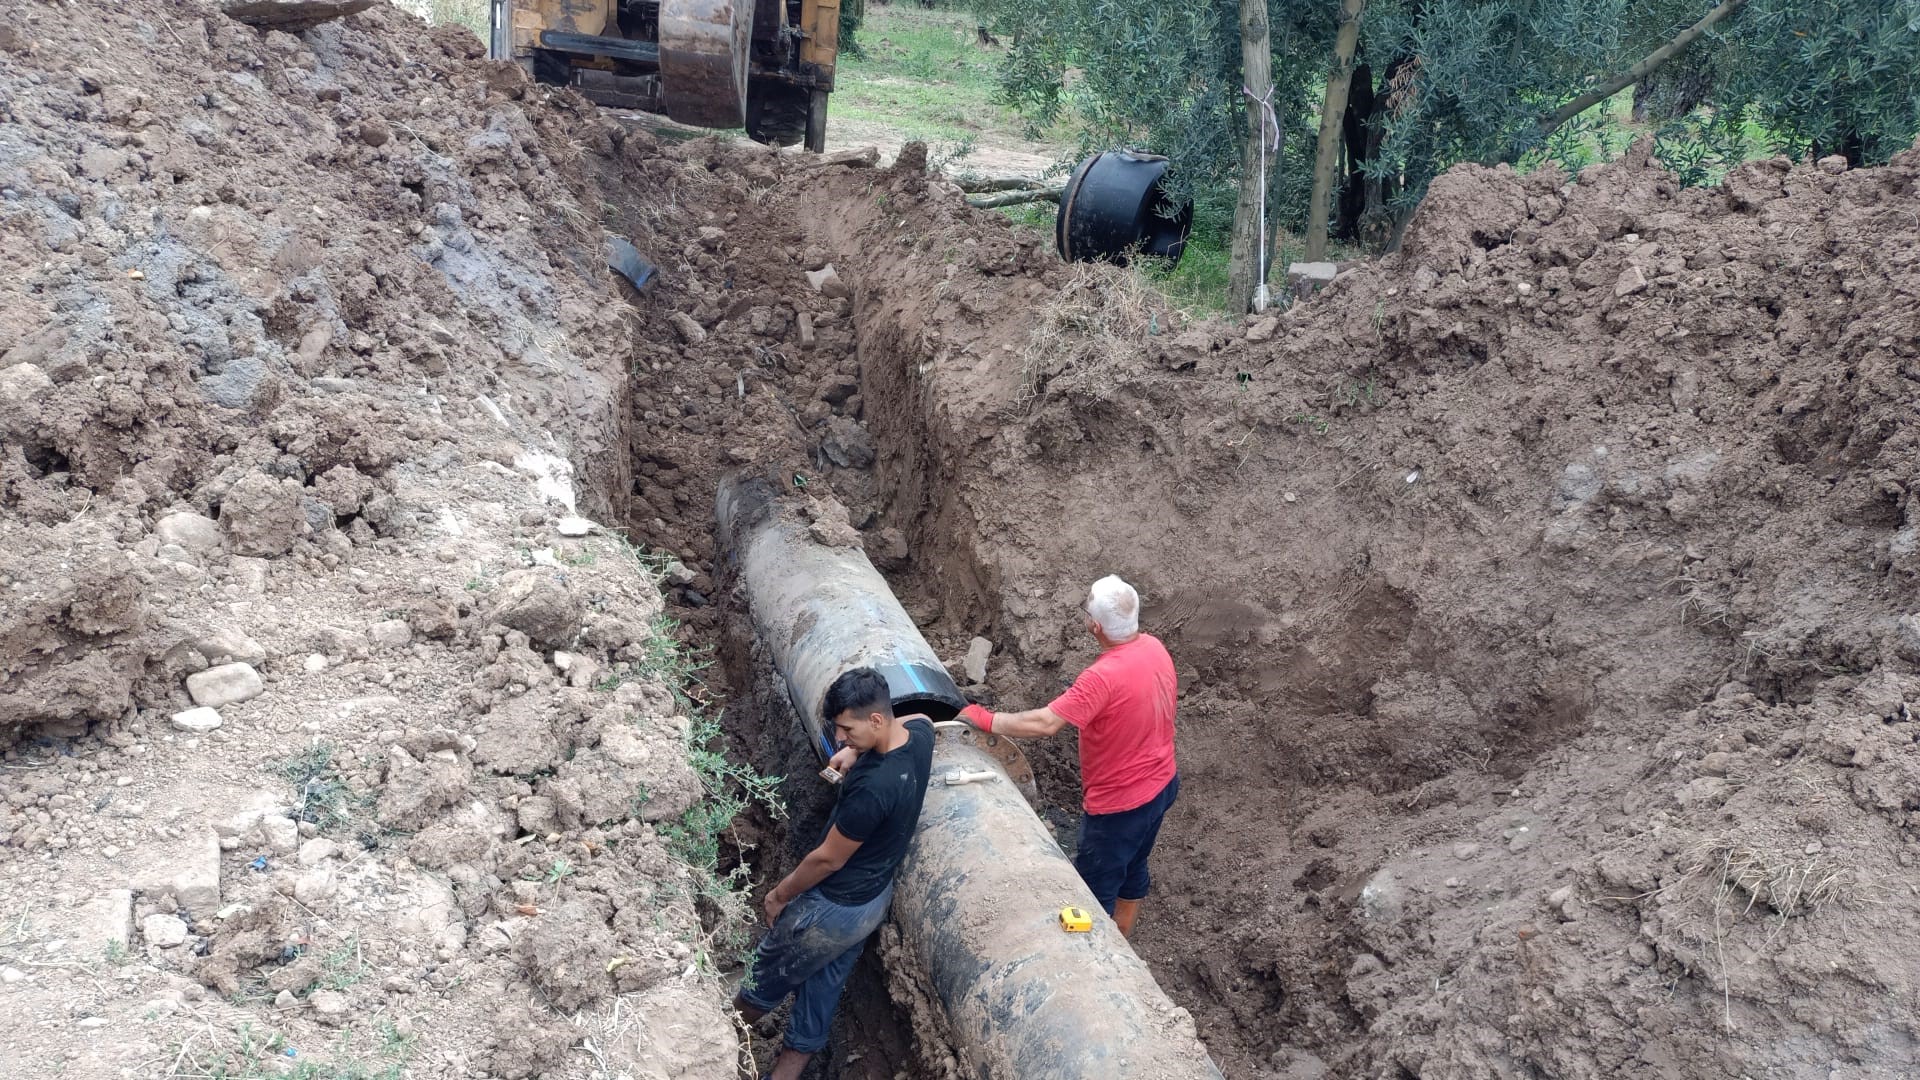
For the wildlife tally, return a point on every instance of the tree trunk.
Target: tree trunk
(1653, 62)
(1355, 137)
(1326, 156)
(1249, 242)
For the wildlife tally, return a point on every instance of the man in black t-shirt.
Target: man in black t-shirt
(822, 913)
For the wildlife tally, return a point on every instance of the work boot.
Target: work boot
(1123, 915)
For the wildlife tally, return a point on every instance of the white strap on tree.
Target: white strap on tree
(1269, 137)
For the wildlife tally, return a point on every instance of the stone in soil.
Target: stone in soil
(190, 531)
(979, 650)
(262, 516)
(390, 634)
(228, 684)
(538, 604)
(197, 720)
(166, 931)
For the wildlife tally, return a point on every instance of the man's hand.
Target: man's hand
(843, 759)
(774, 906)
(979, 716)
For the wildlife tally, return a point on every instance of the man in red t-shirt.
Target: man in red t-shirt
(1123, 705)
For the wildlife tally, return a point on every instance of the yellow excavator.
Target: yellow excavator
(765, 65)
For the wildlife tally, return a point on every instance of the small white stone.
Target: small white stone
(165, 931)
(390, 634)
(314, 886)
(227, 684)
(282, 834)
(11, 975)
(314, 664)
(563, 661)
(574, 526)
(317, 851)
(199, 721)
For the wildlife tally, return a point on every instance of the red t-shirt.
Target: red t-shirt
(1123, 706)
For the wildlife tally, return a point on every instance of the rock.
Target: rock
(416, 789)
(1641, 953)
(390, 634)
(314, 664)
(535, 815)
(1632, 280)
(291, 16)
(316, 851)
(1716, 763)
(250, 574)
(574, 526)
(1464, 852)
(826, 281)
(839, 389)
(539, 605)
(678, 574)
(979, 651)
(229, 645)
(1833, 164)
(262, 516)
(1363, 965)
(805, 325)
(343, 643)
(330, 1007)
(847, 444)
(227, 684)
(196, 874)
(1263, 329)
(315, 886)
(199, 721)
(1906, 640)
(711, 236)
(1383, 898)
(281, 833)
(166, 931)
(285, 1001)
(242, 384)
(10, 976)
(190, 531)
(22, 383)
(690, 331)
(1308, 277)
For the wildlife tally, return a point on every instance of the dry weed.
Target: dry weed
(1090, 330)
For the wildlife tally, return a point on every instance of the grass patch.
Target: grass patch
(321, 795)
(923, 73)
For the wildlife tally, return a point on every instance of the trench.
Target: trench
(1312, 751)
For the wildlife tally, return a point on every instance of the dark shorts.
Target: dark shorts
(809, 953)
(1112, 856)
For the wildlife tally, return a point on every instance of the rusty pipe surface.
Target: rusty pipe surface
(822, 610)
(978, 899)
(978, 906)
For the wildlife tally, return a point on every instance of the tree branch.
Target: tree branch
(974, 185)
(1011, 198)
(1653, 62)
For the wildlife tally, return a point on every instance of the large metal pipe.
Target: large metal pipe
(979, 897)
(822, 610)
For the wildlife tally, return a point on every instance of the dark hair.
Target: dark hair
(859, 689)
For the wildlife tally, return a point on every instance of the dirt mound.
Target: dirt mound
(1533, 592)
(318, 693)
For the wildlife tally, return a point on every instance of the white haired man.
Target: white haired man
(1123, 705)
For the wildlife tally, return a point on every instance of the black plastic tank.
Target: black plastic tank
(1115, 205)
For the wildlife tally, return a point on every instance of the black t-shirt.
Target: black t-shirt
(879, 806)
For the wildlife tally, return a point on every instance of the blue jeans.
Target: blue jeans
(1113, 849)
(809, 953)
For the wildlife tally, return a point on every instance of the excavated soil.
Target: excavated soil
(1542, 594)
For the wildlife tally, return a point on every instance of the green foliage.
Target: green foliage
(1468, 80)
(1820, 76)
